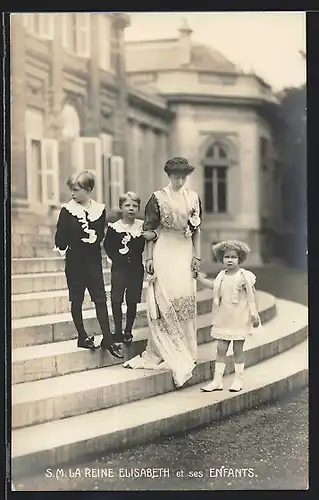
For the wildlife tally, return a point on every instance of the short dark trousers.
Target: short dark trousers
(128, 280)
(83, 275)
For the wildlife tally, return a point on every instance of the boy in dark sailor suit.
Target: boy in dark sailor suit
(79, 234)
(124, 245)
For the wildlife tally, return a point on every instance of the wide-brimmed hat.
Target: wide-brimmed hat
(178, 165)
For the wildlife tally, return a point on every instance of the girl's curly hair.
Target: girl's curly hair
(221, 248)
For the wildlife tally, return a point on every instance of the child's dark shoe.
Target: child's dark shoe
(118, 337)
(87, 343)
(112, 348)
(127, 338)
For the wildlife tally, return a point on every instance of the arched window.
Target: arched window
(71, 125)
(216, 164)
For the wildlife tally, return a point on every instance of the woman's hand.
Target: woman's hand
(149, 266)
(149, 235)
(195, 265)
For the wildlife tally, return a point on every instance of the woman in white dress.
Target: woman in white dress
(174, 214)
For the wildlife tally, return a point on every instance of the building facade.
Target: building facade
(82, 98)
(72, 110)
(224, 126)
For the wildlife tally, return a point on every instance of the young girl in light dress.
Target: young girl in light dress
(234, 310)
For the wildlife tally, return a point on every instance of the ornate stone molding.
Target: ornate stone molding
(229, 140)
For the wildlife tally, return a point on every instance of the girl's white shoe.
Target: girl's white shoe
(237, 385)
(213, 386)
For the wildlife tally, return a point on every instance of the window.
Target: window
(42, 170)
(76, 33)
(104, 23)
(116, 180)
(70, 122)
(41, 25)
(215, 179)
(89, 157)
(215, 189)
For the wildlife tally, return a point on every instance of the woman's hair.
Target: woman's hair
(221, 248)
(132, 195)
(178, 165)
(83, 179)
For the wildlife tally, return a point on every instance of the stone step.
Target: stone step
(33, 250)
(53, 444)
(60, 358)
(56, 301)
(74, 394)
(32, 227)
(35, 265)
(44, 282)
(27, 305)
(59, 327)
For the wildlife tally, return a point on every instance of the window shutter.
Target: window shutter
(104, 27)
(28, 149)
(116, 180)
(107, 144)
(89, 157)
(66, 20)
(28, 22)
(46, 25)
(50, 171)
(83, 35)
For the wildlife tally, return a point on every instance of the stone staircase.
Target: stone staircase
(70, 403)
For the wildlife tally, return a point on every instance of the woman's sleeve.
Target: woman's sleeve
(200, 210)
(152, 215)
(62, 232)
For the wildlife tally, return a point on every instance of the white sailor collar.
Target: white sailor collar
(135, 230)
(94, 211)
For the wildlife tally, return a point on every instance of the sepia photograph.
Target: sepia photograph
(159, 296)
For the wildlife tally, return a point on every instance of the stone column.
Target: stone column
(94, 94)
(53, 121)
(120, 22)
(132, 157)
(18, 109)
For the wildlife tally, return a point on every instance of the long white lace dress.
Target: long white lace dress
(171, 299)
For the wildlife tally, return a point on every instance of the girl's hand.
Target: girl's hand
(200, 275)
(195, 265)
(255, 320)
(149, 266)
(149, 235)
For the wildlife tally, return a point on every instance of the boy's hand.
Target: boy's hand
(149, 235)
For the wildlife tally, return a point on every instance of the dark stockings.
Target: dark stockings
(117, 316)
(130, 316)
(103, 319)
(76, 313)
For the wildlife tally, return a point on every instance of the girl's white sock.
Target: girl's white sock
(239, 369)
(219, 370)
